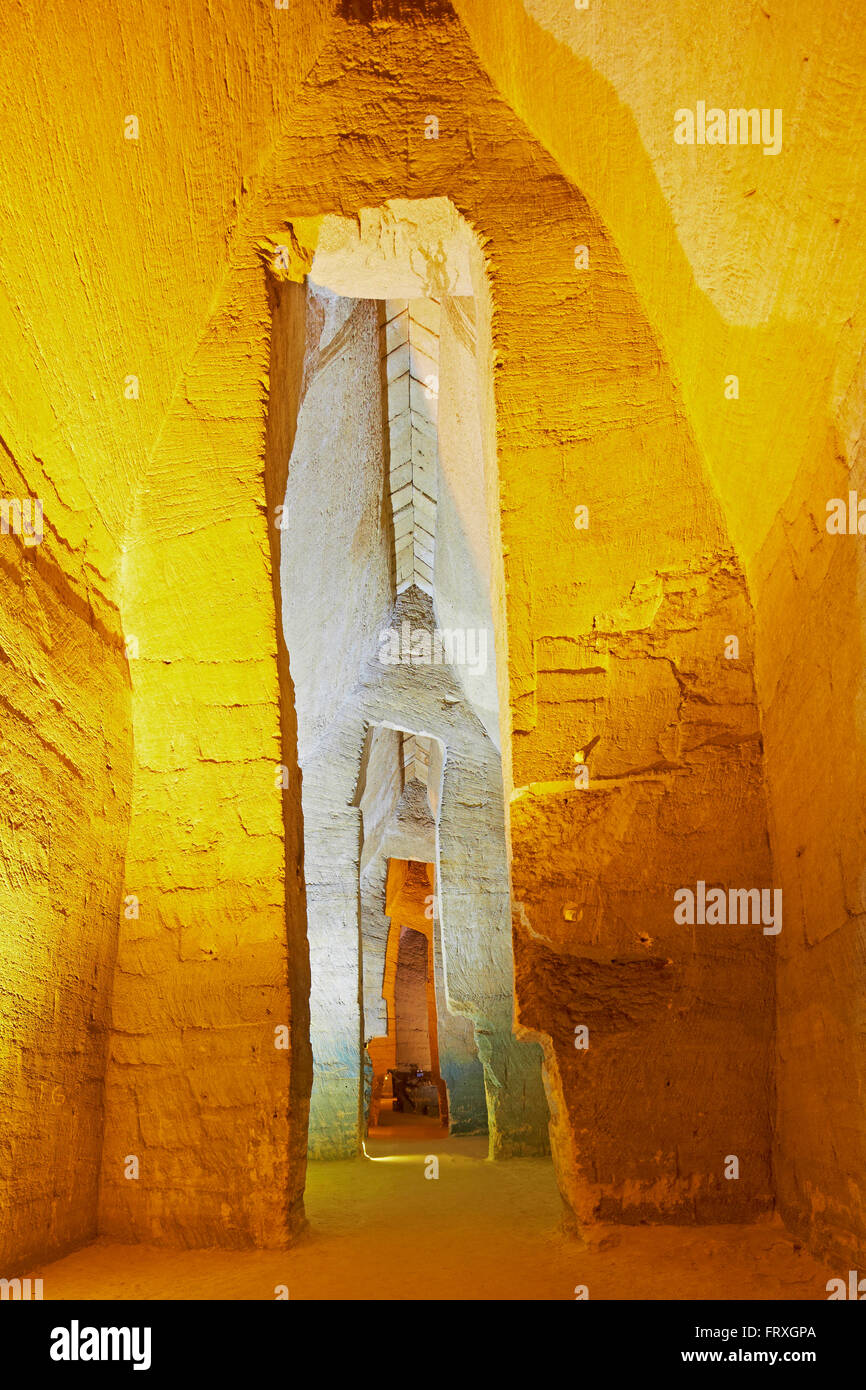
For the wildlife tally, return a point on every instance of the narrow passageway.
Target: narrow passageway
(432, 650)
(395, 688)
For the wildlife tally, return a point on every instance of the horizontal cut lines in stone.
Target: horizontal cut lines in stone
(416, 758)
(410, 349)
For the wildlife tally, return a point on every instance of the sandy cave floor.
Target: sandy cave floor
(378, 1229)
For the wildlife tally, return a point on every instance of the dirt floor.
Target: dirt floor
(380, 1229)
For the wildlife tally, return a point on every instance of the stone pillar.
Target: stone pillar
(505, 1080)
(331, 848)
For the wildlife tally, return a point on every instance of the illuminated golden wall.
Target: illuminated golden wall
(753, 266)
(117, 340)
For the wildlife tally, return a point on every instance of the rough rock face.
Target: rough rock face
(674, 795)
(211, 938)
(65, 772)
(492, 1079)
(153, 359)
(752, 266)
(410, 999)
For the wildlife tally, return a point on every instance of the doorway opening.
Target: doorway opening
(408, 1094)
(415, 1043)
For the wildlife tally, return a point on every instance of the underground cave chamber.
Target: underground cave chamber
(664, 699)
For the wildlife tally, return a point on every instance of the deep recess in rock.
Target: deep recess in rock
(221, 804)
(380, 700)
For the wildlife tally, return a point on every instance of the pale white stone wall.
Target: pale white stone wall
(341, 590)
